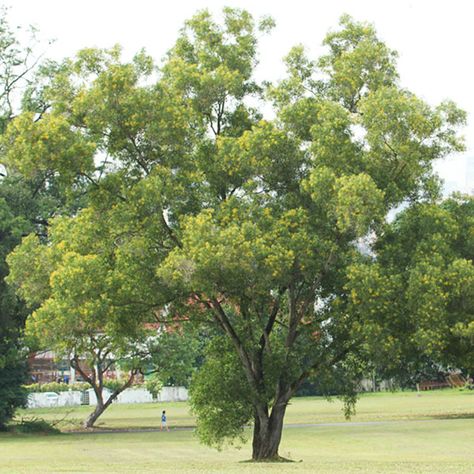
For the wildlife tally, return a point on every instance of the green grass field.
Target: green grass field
(440, 404)
(432, 432)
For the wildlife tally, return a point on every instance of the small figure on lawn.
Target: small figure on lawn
(163, 421)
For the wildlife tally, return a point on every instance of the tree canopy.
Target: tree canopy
(200, 207)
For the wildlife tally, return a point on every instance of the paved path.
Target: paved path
(288, 425)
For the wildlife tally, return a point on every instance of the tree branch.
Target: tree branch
(214, 305)
(337, 358)
(169, 231)
(264, 340)
(75, 364)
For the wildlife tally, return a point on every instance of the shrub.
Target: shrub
(153, 384)
(56, 387)
(113, 384)
(34, 425)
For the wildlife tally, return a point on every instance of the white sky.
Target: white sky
(434, 40)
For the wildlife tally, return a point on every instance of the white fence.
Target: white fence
(369, 385)
(172, 394)
(130, 395)
(53, 399)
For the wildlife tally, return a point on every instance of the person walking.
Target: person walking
(163, 421)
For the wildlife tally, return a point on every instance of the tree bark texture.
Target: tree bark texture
(267, 435)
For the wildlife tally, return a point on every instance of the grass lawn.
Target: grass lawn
(438, 404)
(439, 446)
(439, 442)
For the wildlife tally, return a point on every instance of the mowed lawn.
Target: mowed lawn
(412, 434)
(438, 404)
(441, 446)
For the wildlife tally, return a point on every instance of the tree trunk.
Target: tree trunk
(92, 418)
(267, 435)
(101, 406)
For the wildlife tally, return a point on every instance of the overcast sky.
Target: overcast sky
(434, 40)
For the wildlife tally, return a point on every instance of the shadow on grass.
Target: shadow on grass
(278, 459)
(454, 416)
(111, 430)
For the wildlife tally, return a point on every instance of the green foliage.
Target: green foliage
(153, 384)
(220, 396)
(42, 145)
(359, 204)
(13, 370)
(419, 293)
(199, 211)
(114, 384)
(17, 62)
(56, 387)
(173, 355)
(76, 282)
(358, 62)
(18, 216)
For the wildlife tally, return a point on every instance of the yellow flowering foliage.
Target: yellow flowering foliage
(421, 290)
(48, 144)
(272, 228)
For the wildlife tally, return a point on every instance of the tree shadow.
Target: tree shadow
(454, 416)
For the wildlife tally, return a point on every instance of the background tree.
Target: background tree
(174, 354)
(78, 283)
(24, 207)
(423, 280)
(13, 366)
(250, 226)
(92, 126)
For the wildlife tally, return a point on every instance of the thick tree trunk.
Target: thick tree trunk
(267, 435)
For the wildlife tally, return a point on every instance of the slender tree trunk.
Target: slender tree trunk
(267, 434)
(101, 406)
(92, 418)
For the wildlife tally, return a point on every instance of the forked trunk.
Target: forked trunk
(92, 418)
(267, 435)
(101, 406)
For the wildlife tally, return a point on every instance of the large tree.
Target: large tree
(214, 214)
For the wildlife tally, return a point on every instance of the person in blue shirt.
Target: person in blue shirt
(163, 421)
